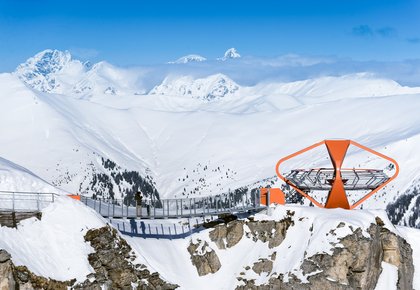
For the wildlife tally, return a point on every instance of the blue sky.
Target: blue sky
(149, 32)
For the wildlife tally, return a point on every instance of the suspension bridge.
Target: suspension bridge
(26, 204)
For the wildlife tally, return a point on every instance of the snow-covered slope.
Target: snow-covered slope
(54, 247)
(193, 134)
(16, 178)
(312, 232)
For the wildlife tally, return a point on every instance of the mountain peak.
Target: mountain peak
(36, 71)
(46, 62)
(189, 58)
(231, 53)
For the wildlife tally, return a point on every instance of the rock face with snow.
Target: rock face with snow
(112, 262)
(39, 71)
(355, 262)
(19, 277)
(203, 257)
(227, 235)
(300, 248)
(6, 274)
(189, 58)
(211, 88)
(55, 71)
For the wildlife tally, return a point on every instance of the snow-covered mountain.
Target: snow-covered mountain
(193, 133)
(53, 71)
(231, 53)
(41, 71)
(189, 58)
(211, 88)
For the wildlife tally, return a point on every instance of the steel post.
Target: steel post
(154, 207)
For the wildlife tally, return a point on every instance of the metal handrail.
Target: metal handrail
(25, 201)
(29, 192)
(177, 207)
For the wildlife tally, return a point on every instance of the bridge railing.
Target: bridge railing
(177, 207)
(25, 201)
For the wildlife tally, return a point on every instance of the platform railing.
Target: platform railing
(25, 201)
(177, 207)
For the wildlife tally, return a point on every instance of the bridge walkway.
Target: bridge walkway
(228, 203)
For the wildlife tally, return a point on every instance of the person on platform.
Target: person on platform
(148, 203)
(139, 198)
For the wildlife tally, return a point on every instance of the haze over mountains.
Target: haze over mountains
(195, 128)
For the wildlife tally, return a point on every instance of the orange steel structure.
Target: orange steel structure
(74, 196)
(272, 195)
(337, 150)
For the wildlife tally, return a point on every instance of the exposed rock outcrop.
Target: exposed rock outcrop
(204, 258)
(270, 231)
(263, 265)
(19, 277)
(227, 235)
(354, 264)
(6, 272)
(112, 261)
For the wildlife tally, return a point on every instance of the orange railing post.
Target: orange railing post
(74, 196)
(272, 195)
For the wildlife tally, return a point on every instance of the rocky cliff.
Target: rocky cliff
(112, 261)
(307, 252)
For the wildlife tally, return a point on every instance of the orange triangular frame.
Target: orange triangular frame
(337, 150)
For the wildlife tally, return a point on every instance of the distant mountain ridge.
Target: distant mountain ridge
(231, 53)
(189, 58)
(212, 88)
